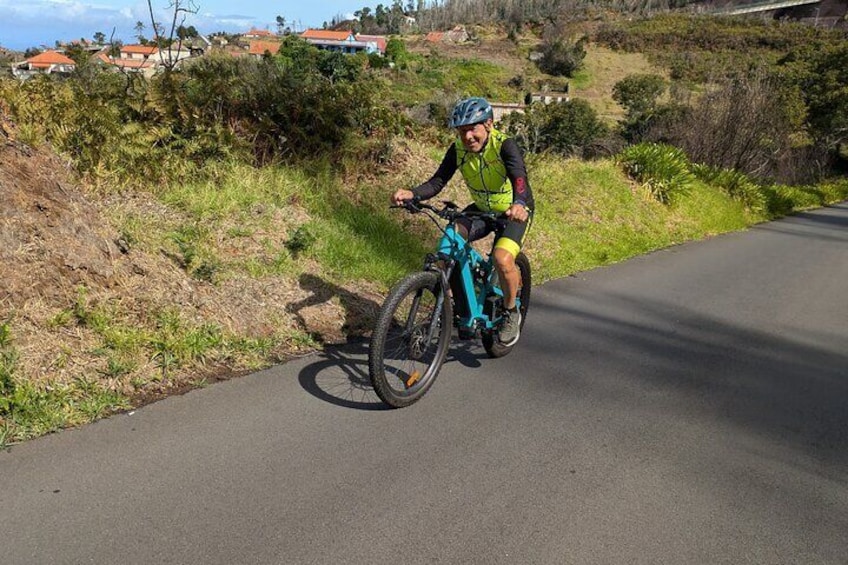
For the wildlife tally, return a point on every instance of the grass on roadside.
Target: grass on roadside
(29, 409)
(589, 214)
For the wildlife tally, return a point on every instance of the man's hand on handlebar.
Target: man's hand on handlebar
(517, 213)
(401, 196)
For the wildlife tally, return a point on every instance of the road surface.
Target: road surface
(687, 406)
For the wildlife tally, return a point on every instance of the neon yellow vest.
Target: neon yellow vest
(485, 174)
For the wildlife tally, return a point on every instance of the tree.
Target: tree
(76, 52)
(747, 122)
(187, 32)
(639, 95)
(169, 58)
(561, 58)
(99, 38)
(820, 72)
(281, 26)
(397, 53)
(139, 32)
(567, 127)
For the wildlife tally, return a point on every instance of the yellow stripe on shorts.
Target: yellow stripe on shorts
(510, 246)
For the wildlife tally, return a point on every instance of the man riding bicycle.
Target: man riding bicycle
(493, 169)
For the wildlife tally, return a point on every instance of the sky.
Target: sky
(32, 23)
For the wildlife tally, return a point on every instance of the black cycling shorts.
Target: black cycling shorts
(510, 238)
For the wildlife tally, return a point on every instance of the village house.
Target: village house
(144, 59)
(501, 109)
(344, 41)
(379, 41)
(259, 48)
(259, 34)
(48, 62)
(548, 96)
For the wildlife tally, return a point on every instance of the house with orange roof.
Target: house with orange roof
(342, 41)
(48, 62)
(138, 52)
(144, 59)
(259, 34)
(259, 48)
(379, 41)
(327, 35)
(146, 67)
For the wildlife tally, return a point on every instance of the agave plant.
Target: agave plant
(736, 184)
(662, 169)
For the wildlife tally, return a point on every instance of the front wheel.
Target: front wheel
(410, 340)
(494, 348)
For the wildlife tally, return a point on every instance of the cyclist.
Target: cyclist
(493, 169)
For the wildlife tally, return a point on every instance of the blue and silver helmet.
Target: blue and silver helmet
(471, 111)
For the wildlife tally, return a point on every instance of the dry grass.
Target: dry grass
(603, 68)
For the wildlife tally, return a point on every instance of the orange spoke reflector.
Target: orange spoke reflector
(413, 378)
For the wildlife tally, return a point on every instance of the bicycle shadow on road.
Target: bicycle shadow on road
(339, 374)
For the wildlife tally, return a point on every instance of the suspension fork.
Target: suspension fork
(444, 277)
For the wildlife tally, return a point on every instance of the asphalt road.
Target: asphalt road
(688, 406)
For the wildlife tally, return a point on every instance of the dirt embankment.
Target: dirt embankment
(58, 252)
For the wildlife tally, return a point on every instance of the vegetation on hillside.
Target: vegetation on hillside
(252, 175)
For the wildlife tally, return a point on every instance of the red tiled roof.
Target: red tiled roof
(259, 47)
(325, 34)
(380, 40)
(140, 49)
(261, 33)
(133, 63)
(435, 36)
(48, 58)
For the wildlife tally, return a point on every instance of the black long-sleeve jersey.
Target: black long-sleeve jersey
(515, 169)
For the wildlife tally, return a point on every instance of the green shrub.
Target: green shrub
(397, 53)
(737, 185)
(567, 128)
(638, 93)
(562, 58)
(662, 169)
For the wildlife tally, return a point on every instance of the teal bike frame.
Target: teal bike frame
(472, 279)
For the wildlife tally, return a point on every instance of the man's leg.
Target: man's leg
(506, 250)
(509, 276)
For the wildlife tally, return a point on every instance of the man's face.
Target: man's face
(474, 137)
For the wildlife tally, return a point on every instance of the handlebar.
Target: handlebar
(450, 212)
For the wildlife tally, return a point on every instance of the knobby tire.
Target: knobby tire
(402, 363)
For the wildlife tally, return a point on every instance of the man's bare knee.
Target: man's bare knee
(504, 260)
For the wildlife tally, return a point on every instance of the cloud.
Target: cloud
(41, 22)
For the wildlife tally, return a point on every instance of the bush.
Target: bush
(639, 95)
(397, 53)
(746, 123)
(561, 58)
(736, 185)
(820, 72)
(568, 128)
(662, 169)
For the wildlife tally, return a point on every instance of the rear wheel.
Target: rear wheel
(493, 346)
(410, 340)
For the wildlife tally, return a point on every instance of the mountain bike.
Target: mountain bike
(458, 287)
